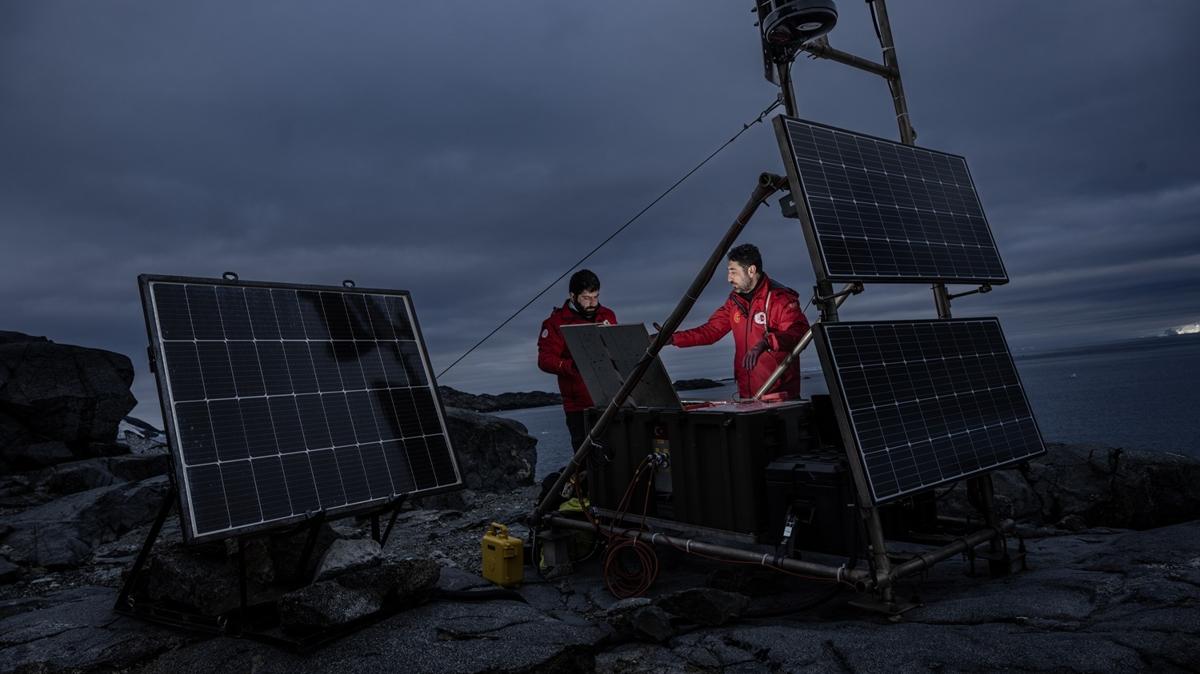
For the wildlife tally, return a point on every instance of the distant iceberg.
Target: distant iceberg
(1188, 329)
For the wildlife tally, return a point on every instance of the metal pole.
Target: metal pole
(860, 577)
(925, 560)
(941, 300)
(820, 48)
(768, 184)
(908, 135)
(785, 85)
(128, 586)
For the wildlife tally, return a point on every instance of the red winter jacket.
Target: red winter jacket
(555, 358)
(774, 311)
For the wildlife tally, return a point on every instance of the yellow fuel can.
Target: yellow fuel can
(503, 556)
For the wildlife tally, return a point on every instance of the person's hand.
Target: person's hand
(751, 357)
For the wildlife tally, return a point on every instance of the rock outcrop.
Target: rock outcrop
(495, 403)
(696, 384)
(1080, 486)
(63, 533)
(59, 402)
(495, 454)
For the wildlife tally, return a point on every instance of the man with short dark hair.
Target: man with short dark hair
(582, 306)
(766, 321)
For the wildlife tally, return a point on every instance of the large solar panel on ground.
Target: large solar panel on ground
(285, 401)
(928, 402)
(886, 212)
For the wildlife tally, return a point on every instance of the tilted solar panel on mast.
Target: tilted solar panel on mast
(921, 403)
(283, 401)
(879, 211)
(927, 402)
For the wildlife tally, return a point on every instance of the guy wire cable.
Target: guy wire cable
(762, 115)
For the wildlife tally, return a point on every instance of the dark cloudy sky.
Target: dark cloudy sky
(470, 151)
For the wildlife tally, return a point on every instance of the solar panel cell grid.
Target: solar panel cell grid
(929, 402)
(883, 211)
(289, 401)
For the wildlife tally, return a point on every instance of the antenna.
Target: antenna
(785, 25)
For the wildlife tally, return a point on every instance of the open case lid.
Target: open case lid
(607, 354)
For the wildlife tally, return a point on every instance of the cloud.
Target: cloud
(470, 154)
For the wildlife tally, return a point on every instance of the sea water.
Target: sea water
(1136, 395)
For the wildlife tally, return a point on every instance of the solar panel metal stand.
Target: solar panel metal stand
(125, 603)
(159, 613)
(395, 506)
(310, 542)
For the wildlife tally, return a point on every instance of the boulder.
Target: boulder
(358, 594)
(58, 392)
(495, 455)
(326, 604)
(17, 491)
(348, 555)
(31, 455)
(703, 605)
(401, 582)
(200, 577)
(651, 623)
(287, 548)
(8, 571)
(637, 618)
(62, 533)
(76, 476)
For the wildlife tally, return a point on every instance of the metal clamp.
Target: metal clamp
(852, 288)
(983, 289)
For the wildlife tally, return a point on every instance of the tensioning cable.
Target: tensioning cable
(761, 116)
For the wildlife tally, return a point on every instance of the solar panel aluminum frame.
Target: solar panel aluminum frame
(165, 398)
(804, 213)
(850, 442)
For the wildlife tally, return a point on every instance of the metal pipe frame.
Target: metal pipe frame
(820, 48)
(925, 560)
(768, 184)
(862, 580)
(859, 577)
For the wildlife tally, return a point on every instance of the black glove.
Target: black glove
(752, 355)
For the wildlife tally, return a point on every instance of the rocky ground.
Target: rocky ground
(1095, 598)
(1112, 536)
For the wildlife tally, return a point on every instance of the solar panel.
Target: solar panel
(927, 402)
(886, 212)
(283, 401)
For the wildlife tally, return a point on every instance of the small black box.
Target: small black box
(817, 487)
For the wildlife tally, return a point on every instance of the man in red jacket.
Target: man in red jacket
(582, 306)
(766, 321)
